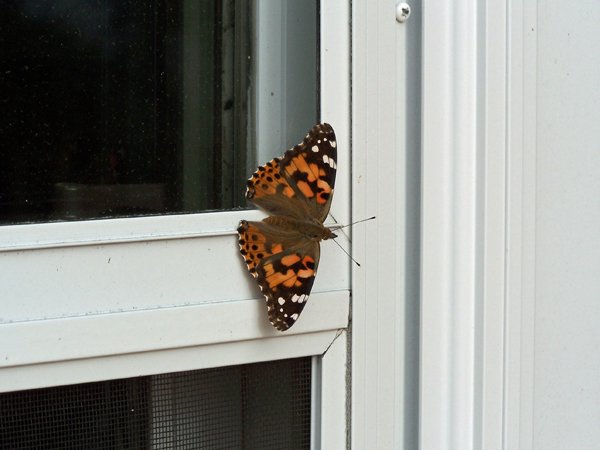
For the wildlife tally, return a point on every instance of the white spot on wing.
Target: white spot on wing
(315, 148)
(294, 316)
(330, 161)
(295, 298)
(333, 143)
(281, 300)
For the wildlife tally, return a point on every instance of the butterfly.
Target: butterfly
(282, 251)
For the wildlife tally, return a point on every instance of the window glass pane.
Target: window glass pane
(129, 107)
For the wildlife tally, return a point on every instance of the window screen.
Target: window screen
(254, 406)
(130, 107)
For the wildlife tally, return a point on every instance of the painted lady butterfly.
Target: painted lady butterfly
(282, 251)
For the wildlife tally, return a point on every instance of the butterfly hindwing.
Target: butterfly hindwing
(284, 267)
(286, 281)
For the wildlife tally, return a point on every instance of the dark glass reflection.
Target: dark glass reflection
(122, 107)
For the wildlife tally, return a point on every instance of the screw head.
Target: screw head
(402, 12)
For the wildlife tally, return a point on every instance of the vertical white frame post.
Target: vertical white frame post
(451, 224)
(520, 223)
(450, 219)
(477, 211)
(490, 318)
(335, 109)
(385, 184)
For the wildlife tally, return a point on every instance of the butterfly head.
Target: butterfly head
(316, 231)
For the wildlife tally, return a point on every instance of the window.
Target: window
(265, 405)
(149, 290)
(131, 108)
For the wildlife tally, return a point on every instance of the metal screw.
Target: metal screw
(402, 12)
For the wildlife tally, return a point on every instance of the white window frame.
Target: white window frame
(478, 208)
(96, 300)
(477, 246)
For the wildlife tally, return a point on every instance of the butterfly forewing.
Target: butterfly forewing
(301, 183)
(282, 251)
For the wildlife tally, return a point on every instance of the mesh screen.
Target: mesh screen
(253, 406)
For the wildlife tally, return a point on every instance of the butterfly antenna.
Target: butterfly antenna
(337, 224)
(339, 227)
(349, 255)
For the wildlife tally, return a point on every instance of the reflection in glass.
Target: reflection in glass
(128, 107)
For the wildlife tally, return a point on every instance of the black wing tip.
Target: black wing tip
(322, 125)
(325, 126)
(313, 135)
(321, 128)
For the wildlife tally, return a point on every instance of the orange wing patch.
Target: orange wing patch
(325, 191)
(287, 279)
(315, 176)
(267, 180)
(292, 276)
(289, 260)
(309, 267)
(305, 189)
(299, 164)
(254, 246)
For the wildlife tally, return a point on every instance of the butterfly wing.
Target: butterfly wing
(284, 266)
(301, 183)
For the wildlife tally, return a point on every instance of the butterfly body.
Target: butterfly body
(301, 228)
(282, 251)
